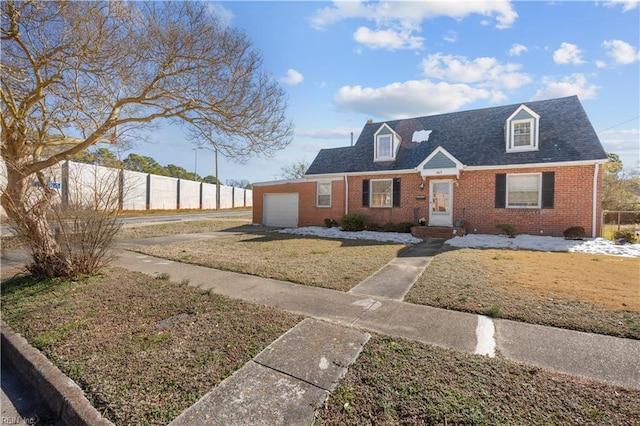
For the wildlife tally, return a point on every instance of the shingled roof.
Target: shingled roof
(475, 138)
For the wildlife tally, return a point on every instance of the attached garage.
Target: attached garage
(280, 210)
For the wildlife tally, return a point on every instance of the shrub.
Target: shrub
(574, 233)
(330, 223)
(390, 227)
(494, 311)
(404, 227)
(372, 227)
(507, 229)
(352, 222)
(626, 234)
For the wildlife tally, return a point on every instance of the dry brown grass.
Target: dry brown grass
(595, 293)
(572, 290)
(110, 334)
(398, 381)
(333, 264)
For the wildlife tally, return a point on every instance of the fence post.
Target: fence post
(64, 182)
(178, 195)
(148, 191)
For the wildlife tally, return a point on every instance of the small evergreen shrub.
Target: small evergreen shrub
(330, 223)
(404, 227)
(574, 233)
(390, 227)
(352, 222)
(372, 227)
(507, 229)
(626, 234)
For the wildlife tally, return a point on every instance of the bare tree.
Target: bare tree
(296, 170)
(74, 74)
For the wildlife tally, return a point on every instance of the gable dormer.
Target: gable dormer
(521, 130)
(386, 144)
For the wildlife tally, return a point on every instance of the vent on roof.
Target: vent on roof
(421, 136)
(369, 121)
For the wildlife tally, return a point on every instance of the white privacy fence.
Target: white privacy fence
(83, 183)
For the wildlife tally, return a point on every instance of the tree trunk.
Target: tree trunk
(27, 205)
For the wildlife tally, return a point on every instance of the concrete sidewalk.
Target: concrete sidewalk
(610, 359)
(285, 383)
(292, 377)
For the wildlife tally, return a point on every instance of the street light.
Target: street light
(215, 151)
(195, 169)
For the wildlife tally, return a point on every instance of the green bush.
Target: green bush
(574, 233)
(507, 229)
(330, 223)
(372, 227)
(352, 222)
(390, 227)
(405, 227)
(628, 235)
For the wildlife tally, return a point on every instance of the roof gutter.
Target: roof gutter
(596, 169)
(346, 195)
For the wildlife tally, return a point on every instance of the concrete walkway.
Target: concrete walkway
(286, 383)
(610, 359)
(395, 279)
(292, 377)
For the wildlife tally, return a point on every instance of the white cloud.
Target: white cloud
(450, 36)
(330, 133)
(601, 64)
(225, 15)
(517, 49)
(409, 99)
(293, 77)
(387, 39)
(397, 22)
(484, 71)
(625, 143)
(339, 11)
(568, 53)
(627, 5)
(410, 11)
(575, 84)
(621, 51)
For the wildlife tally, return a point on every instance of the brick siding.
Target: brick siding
(473, 201)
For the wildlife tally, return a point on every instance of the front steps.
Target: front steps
(446, 232)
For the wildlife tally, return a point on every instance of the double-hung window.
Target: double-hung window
(384, 146)
(381, 193)
(323, 194)
(524, 190)
(522, 133)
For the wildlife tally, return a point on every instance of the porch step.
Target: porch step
(437, 231)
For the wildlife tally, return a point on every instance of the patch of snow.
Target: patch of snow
(421, 136)
(317, 231)
(544, 243)
(520, 242)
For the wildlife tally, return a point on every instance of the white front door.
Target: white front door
(440, 203)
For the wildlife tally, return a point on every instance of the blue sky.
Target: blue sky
(346, 62)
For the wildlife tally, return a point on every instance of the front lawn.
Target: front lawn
(333, 264)
(142, 349)
(587, 292)
(398, 381)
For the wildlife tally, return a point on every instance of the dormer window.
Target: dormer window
(522, 133)
(386, 144)
(521, 130)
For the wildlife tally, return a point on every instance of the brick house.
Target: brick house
(537, 166)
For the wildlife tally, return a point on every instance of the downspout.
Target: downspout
(595, 199)
(346, 195)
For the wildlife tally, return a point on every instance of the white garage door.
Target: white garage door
(280, 210)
